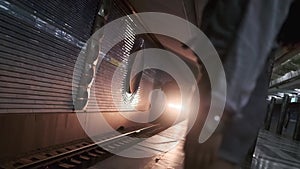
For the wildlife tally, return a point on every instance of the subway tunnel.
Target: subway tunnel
(94, 84)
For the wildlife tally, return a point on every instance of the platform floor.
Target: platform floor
(276, 152)
(168, 146)
(271, 152)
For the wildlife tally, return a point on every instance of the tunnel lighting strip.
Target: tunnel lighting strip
(39, 23)
(284, 78)
(71, 153)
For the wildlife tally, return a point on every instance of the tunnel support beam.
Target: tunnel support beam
(296, 135)
(282, 114)
(269, 114)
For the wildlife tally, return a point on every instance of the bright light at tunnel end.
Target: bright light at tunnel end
(175, 106)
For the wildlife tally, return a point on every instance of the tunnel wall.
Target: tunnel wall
(40, 42)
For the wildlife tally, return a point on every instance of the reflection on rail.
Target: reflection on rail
(88, 153)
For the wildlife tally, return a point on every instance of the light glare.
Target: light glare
(175, 106)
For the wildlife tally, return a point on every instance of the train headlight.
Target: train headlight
(175, 106)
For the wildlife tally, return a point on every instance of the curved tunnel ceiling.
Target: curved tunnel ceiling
(174, 7)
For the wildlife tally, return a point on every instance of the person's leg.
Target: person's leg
(222, 24)
(200, 155)
(268, 17)
(192, 146)
(241, 133)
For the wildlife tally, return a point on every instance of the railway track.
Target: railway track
(84, 154)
